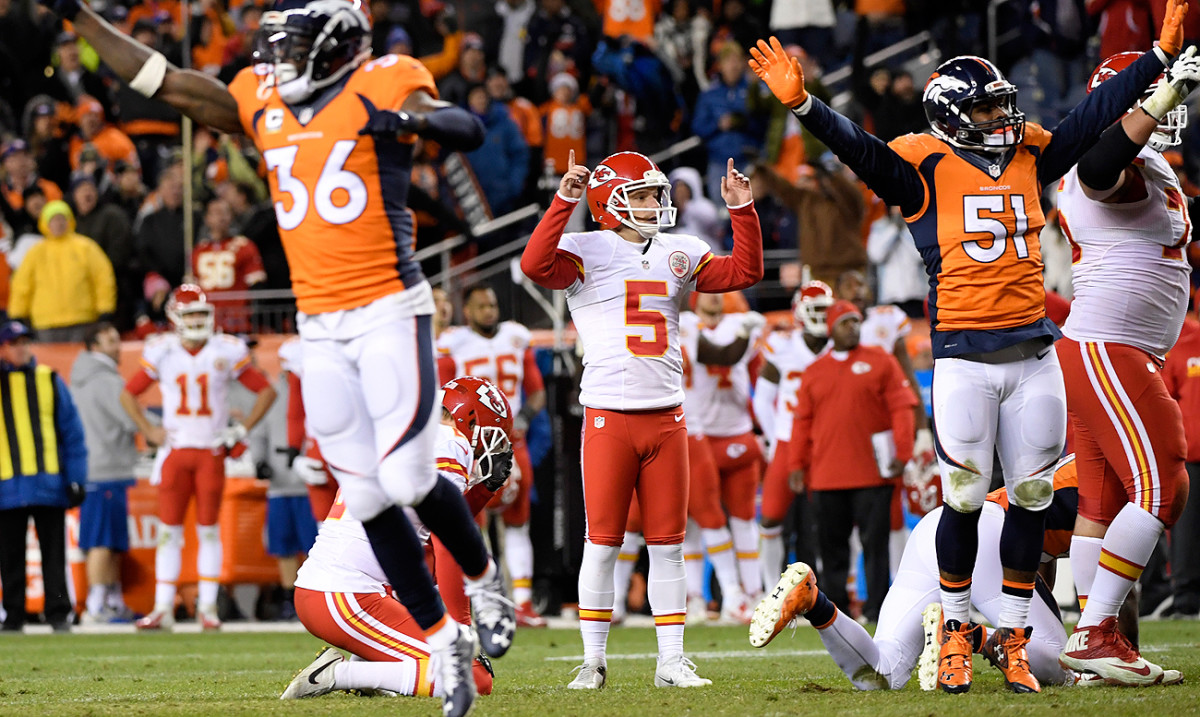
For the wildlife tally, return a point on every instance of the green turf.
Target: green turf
(243, 674)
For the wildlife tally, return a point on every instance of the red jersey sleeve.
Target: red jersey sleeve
(249, 262)
(139, 382)
(253, 379)
(744, 267)
(533, 375)
(542, 260)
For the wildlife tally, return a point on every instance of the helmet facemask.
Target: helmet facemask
(1169, 132)
(620, 206)
(488, 442)
(998, 135)
(193, 323)
(810, 313)
(304, 51)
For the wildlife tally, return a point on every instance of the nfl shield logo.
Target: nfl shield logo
(599, 422)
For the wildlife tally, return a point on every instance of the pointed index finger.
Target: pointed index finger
(570, 160)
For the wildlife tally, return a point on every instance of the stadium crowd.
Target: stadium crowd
(92, 237)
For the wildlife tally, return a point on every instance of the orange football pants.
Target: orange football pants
(187, 472)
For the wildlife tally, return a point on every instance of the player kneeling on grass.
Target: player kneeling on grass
(906, 637)
(343, 597)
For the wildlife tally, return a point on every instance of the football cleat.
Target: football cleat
(794, 595)
(528, 617)
(207, 616)
(678, 671)
(1005, 649)
(1103, 651)
(593, 673)
(453, 671)
(495, 616)
(737, 610)
(161, 618)
(316, 679)
(956, 643)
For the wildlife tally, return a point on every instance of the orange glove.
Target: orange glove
(1171, 39)
(782, 72)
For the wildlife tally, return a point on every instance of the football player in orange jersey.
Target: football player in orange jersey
(336, 133)
(970, 192)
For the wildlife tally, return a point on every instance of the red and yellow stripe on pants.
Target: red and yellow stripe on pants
(1129, 440)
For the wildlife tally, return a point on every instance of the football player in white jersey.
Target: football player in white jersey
(625, 286)
(787, 354)
(193, 368)
(1122, 209)
(501, 351)
(723, 393)
(342, 595)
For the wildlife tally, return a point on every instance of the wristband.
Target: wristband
(150, 78)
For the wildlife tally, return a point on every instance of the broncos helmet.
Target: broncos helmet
(311, 45)
(957, 87)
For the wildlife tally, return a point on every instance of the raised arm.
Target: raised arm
(542, 260)
(744, 267)
(195, 94)
(884, 171)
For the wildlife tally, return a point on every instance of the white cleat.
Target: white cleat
(161, 618)
(453, 670)
(207, 617)
(927, 663)
(593, 673)
(316, 679)
(697, 610)
(678, 671)
(737, 610)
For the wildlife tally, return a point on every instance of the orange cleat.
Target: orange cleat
(794, 595)
(1006, 650)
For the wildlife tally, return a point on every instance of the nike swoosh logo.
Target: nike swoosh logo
(679, 418)
(1043, 354)
(669, 682)
(312, 677)
(1144, 670)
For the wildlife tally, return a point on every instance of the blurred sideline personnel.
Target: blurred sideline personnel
(222, 262)
(342, 595)
(304, 455)
(625, 286)
(43, 469)
(998, 386)
(500, 351)
(193, 369)
(1126, 217)
(787, 353)
(725, 409)
(112, 454)
(336, 134)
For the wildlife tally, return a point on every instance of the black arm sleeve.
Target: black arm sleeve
(1080, 129)
(454, 128)
(887, 174)
(1103, 164)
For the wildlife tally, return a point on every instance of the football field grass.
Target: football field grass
(243, 674)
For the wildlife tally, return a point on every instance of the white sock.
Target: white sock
(745, 545)
(667, 591)
(956, 604)
(95, 598)
(770, 552)
(693, 559)
(168, 561)
(596, 597)
(1014, 610)
(398, 677)
(1085, 561)
(1127, 547)
(208, 564)
(719, 544)
(623, 571)
(518, 555)
(442, 635)
(851, 647)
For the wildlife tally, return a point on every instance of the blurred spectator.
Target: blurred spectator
(20, 173)
(880, 24)
(557, 41)
(46, 142)
(900, 110)
(112, 144)
(109, 227)
(524, 114)
(502, 162)
(159, 228)
(829, 209)
(254, 219)
(899, 268)
(695, 213)
(70, 81)
(1125, 25)
(736, 24)
(681, 40)
(126, 192)
(777, 222)
(853, 431)
(723, 119)
(471, 70)
(788, 145)
(222, 262)
(505, 38)
(153, 126)
(39, 479)
(565, 117)
(103, 519)
(210, 31)
(634, 18)
(807, 23)
(636, 88)
(240, 49)
(25, 229)
(65, 283)
(25, 40)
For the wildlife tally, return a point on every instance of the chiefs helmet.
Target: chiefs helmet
(809, 305)
(481, 412)
(1170, 131)
(959, 85)
(311, 45)
(190, 313)
(618, 176)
